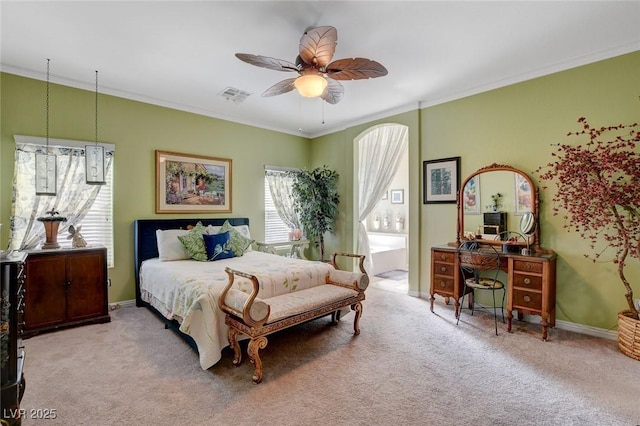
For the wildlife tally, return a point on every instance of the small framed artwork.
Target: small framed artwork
(471, 196)
(441, 180)
(46, 174)
(187, 183)
(94, 164)
(523, 200)
(397, 196)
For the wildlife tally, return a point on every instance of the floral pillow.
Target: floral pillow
(239, 243)
(193, 242)
(218, 246)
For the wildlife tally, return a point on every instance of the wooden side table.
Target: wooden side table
(65, 288)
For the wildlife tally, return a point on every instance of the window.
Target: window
(97, 225)
(88, 206)
(275, 229)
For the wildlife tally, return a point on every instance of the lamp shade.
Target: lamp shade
(310, 85)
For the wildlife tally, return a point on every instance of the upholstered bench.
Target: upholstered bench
(256, 318)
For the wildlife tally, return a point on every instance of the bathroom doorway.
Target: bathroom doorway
(382, 185)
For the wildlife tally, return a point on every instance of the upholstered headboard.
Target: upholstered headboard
(145, 244)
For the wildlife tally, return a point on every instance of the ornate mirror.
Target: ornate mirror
(498, 203)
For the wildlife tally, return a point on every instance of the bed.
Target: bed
(184, 292)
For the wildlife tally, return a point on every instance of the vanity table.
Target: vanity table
(530, 269)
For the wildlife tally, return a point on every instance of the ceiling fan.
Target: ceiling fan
(317, 75)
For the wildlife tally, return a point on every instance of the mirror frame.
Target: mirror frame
(535, 207)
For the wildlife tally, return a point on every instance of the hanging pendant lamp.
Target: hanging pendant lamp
(46, 163)
(94, 155)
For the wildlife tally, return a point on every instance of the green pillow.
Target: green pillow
(193, 242)
(239, 243)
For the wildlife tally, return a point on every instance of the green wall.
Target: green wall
(138, 129)
(516, 125)
(513, 125)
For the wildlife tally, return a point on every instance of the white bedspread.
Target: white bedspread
(187, 290)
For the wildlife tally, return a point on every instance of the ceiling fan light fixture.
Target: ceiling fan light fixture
(310, 85)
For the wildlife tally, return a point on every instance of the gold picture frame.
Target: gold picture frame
(188, 183)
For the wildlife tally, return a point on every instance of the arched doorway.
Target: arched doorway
(382, 188)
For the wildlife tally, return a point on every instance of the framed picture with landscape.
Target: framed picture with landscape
(187, 183)
(441, 180)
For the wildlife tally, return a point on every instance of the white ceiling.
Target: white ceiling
(180, 54)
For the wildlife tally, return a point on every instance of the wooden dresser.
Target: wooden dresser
(531, 283)
(12, 352)
(445, 277)
(65, 288)
(532, 289)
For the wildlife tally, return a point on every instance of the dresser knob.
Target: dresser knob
(443, 269)
(443, 284)
(527, 266)
(443, 257)
(527, 299)
(527, 281)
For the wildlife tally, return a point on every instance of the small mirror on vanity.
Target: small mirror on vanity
(498, 204)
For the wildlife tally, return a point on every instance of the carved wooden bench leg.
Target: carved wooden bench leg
(232, 336)
(254, 346)
(356, 322)
(335, 317)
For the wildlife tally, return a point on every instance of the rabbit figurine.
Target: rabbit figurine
(76, 237)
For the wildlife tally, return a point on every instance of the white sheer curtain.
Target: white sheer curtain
(280, 183)
(73, 199)
(381, 150)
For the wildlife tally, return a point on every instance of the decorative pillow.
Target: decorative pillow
(218, 246)
(244, 230)
(236, 299)
(169, 246)
(212, 230)
(239, 243)
(193, 242)
(349, 278)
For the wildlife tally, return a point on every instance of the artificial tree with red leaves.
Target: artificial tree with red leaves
(598, 185)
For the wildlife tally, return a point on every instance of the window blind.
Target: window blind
(97, 225)
(274, 228)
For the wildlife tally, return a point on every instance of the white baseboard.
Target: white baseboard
(562, 325)
(124, 304)
(578, 328)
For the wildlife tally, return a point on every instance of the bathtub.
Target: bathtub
(388, 252)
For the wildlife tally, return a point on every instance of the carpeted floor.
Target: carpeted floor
(408, 367)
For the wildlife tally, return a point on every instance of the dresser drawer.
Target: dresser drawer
(444, 256)
(527, 281)
(527, 300)
(527, 266)
(443, 285)
(446, 269)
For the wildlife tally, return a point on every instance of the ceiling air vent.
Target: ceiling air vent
(234, 95)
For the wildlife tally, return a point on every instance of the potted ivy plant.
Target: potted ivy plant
(598, 186)
(316, 200)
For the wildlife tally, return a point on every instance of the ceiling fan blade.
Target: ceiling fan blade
(333, 92)
(266, 62)
(355, 69)
(318, 45)
(281, 87)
